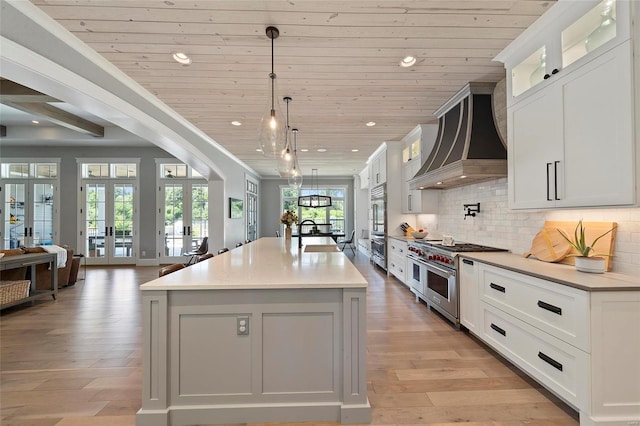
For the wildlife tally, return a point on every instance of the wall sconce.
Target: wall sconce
(471, 210)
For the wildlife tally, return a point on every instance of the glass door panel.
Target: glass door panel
(95, 220)
(43, 209)
(252, 217)
(15, 214)
(123, 231)
(174, 228)
(198, 227)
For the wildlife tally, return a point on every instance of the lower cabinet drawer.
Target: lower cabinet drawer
(561, 367)
(554, 308)
(398, 267)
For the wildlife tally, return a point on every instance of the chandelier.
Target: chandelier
(315, 200)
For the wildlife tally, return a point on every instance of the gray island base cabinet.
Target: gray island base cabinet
(256, 345)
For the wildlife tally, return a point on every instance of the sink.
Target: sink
(321, 248)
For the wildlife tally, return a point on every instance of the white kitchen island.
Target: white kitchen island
(266, 332)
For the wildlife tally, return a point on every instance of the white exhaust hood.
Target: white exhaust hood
(469, 148)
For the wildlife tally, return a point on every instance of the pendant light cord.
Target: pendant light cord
(273, 78)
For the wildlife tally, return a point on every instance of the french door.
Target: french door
(27, 213)
(110, 222)
(185, 214)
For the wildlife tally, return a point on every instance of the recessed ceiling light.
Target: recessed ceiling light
(462, 177)
(182, 58)
(304, 150)
(322, 150)
(236, 123)
(371, 124)
(355, 150)
(258, 149)
(35, 121)
(408, 61)
(438, 183)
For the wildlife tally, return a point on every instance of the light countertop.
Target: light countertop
(267, 263)
(558, 272)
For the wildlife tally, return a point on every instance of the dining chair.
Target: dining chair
(192, 255)
(204, 257)
(223, 250)
(348, 242)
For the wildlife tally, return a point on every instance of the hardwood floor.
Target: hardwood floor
(76, 361)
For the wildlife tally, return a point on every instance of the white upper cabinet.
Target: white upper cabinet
(567, 36)
(378, 169)
(571, 136)
(415, 201)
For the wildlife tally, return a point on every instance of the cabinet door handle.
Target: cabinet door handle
(467, 261)
(30, 232)
(550, 361)
(500, 330)
(409, 202)
(555, 71)
(106, 231)
(184, 230)
(555, 179)
(498, 288)
(549, 307)
(546, 76)
(189, 229)
(111, 231)
(548, 180)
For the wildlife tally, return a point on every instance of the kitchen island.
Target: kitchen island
(266, 332)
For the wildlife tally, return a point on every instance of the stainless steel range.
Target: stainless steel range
(433, 277)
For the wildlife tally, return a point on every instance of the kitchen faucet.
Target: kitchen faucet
(300, 230)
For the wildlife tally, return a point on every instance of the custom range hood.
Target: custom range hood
(469, 148)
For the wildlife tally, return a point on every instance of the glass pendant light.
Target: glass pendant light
(295, 175)
(271, 133)
(605, 31)
(285, 159)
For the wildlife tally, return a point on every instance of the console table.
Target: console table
(31, 260)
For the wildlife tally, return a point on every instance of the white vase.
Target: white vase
(594, 265)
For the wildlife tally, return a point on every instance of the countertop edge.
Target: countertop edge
(624, 282)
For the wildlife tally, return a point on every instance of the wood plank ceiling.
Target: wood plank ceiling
(338, 60)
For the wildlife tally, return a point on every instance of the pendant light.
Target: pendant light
(315, 200)
(295, 175)
(285, 160)
(271, 132)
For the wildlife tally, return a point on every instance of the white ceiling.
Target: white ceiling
(338, 60)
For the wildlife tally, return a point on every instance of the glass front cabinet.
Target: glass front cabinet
(567, 36)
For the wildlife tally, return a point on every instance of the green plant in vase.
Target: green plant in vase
(586, 259)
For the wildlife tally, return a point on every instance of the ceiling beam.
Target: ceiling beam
(14, 92)
(59, 117)
(33, 102)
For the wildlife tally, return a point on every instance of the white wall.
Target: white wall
(498, 226)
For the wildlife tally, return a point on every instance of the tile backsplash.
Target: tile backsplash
(498, 226)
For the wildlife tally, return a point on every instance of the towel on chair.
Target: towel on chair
(61, 252)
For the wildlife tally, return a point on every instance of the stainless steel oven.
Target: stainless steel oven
(433, 276)
(442, 290)
(378, 251)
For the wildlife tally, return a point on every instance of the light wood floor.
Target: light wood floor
(77, 361)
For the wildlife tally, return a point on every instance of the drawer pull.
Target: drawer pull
(498, 287)
(467, 261)
(550, 361)
(549, 307)
(498, 329)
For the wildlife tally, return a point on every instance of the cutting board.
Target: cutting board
(549, 246)
(592, 231)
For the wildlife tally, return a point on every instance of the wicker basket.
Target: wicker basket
(10, 291)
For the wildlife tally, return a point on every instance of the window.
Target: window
(335, 215)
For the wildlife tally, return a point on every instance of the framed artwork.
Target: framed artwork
(235, 208)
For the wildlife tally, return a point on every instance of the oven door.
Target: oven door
(442, 291)
(378, 251)
(417, 276)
